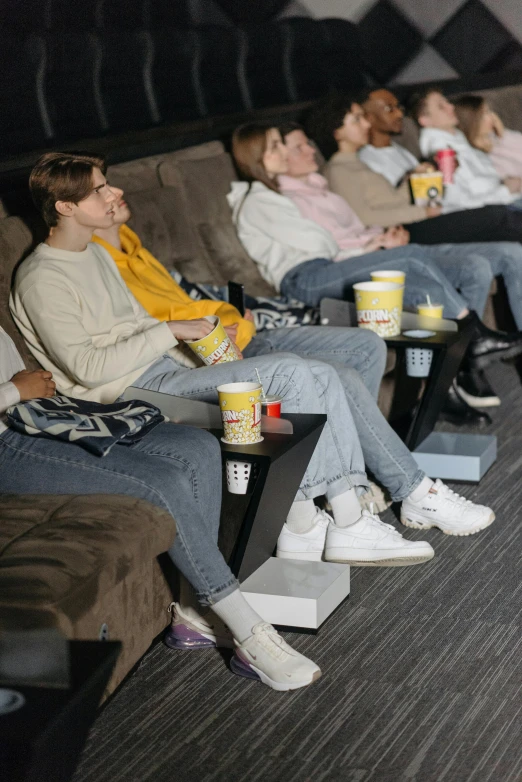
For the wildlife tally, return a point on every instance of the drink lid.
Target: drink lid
(270, 400)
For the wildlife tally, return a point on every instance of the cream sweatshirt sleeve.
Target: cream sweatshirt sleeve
(9, 395)
(56, 317)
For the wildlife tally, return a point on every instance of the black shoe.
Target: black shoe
(484, 350)
(457, 411)
(474, 388)
(489, 345)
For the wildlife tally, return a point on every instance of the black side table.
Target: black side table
(448, 348)
(250, 524)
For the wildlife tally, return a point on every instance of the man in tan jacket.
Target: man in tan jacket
(339, 127)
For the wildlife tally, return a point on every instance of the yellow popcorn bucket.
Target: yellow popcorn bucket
(379, 307)
(390, 275)
(240, 407)
(216, 347)
(427, 188)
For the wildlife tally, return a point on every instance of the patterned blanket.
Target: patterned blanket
(275, 313)
(94, 426)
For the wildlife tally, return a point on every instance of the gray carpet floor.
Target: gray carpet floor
(421, 673)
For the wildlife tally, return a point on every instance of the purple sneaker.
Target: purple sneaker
(185, 633)
(241, 668)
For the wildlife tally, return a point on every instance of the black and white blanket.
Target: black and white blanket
(269, 313)
(94, 426)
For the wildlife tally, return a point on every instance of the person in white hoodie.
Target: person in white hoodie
(475, 181)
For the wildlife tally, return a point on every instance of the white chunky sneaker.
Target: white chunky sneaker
(267, 657)
(307, 545)
(372, 542)
(190, 631)
(443, 508)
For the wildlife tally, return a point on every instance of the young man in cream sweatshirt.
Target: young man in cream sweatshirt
(84, 325)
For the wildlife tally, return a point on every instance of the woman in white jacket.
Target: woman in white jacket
(300, 258)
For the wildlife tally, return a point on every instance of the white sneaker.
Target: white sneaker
(443, 508)
(267, 657)
(372, 542)
(307, 545)
(188, 630)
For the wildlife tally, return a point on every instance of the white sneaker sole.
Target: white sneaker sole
(476, 401)
(425, 524)
(381, 561)
(283, 686)
(307, 556)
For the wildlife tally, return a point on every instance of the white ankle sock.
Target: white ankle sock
(422, 489)
(237, 614)
(346, 508)
(300, 516)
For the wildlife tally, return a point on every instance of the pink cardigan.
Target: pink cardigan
(506, 154)
(316, 202)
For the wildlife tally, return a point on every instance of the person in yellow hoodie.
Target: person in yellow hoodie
(152, 285)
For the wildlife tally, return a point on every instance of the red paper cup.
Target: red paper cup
(271, 406)
(446, 162)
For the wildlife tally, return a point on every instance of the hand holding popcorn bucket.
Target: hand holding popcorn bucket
(379, 307)
(216, 347)
(240, 407)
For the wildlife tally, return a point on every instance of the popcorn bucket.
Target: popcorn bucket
(240, 408)
(379, 307)
(390, 275)
(216, 347)
(427, 189)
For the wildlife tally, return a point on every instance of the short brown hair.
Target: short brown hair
(248, 148)
(62, 176)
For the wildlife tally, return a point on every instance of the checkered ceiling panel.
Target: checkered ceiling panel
(416, 40)
(406, 41)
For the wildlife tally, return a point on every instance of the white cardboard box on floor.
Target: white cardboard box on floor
(297, 594)
(455, 456)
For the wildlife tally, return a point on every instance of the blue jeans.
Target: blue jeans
(504, 259)
(337, 463)
(314, 280)
(358, 357)
(468, 268)
(175, 467)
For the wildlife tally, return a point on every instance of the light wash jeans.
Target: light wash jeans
(504, 259)
(314, 280)
(175, 467)
(337, 463)
(319, 370)
(359, 357)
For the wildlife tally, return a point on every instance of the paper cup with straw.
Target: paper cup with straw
(430, 310)
(270, 404)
